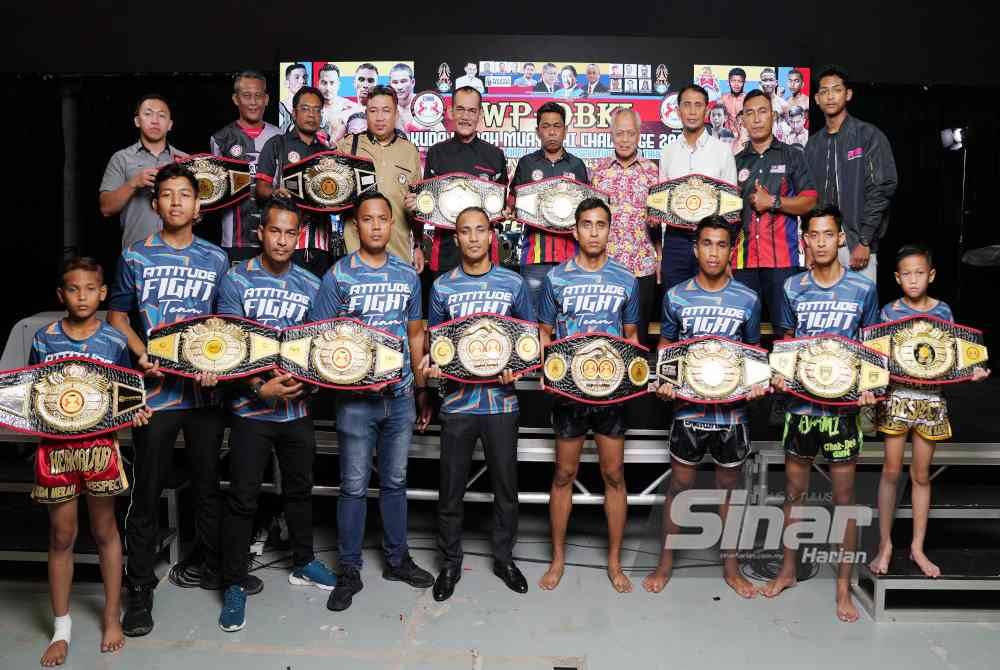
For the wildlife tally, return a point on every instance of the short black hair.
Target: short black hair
(591, 203)
(692, 87)
(382, 89)
(85, 263)
(713, 222)
(570, 68)
(366, 66)
(797, 71)
(737, 72)
(834, 71)
(756, 93)
(472, 210)
(151, 96)
(330, 67)
(467, 89)
(915, 249)
(551, 107)
(371, 195)
(307, 90)
(173, 171)
(821, 211)
(293, 67)
(281, 203)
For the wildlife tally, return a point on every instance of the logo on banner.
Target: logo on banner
(669, 113)
(293, 156)
(427, 109)
(235, 151)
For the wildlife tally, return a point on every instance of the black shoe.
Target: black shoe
(138, 619)
(511, 576)
(348, 583)
(409, 572)
(444, 585)
(211, 580)
(187, 575)
(252, 585)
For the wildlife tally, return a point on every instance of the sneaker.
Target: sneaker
(186, 575)
(409, 572)
(314, 573)
(211, 580)
(234, 609)
(348, 584)
(138, 619)
(252, 585)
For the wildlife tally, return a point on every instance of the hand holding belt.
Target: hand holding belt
(328, 181)
(710, 370)
(70, 398)
(550, 204)
(927, 350)
(342, 353)
(486, 345)
(441, 199)
(830, 370)
(227, 346)
(596, 368)
(222, 182)
(683, 202)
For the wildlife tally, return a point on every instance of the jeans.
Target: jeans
(383, 425)
(534, 275)
(678, 263)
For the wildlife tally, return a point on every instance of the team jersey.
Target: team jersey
(386, 297)
(897, 309)
(250, 291)
(691, 311)
(166, 285)
(575, 300)
(842, 309)
(456, 294)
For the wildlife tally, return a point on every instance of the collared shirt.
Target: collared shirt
(397, 165)
(138, 218)
(283, 150)
(628, 185)
(478, 158)
(538, 246)
(709, 156)
(770, 240)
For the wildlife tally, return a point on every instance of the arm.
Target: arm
(267, 168)
(117, 189)
(880, 185)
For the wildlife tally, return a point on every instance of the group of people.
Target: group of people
(810, 229)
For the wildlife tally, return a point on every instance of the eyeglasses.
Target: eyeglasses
(309, 109)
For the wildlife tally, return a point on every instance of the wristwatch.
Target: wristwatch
(777, 203)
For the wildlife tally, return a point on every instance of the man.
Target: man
(527, 79)
(269, 413)
(244, 139)
(397, 165)
(776, 188)
(827, 300)
(487, 412)
(295, 78)
(402, 82)
(852, 163)
(377, 288)
(336, 108)
(312, 251)
(594, 84)
(769, 85)
(709, 304)
(365, 79)
(470, 78)
(717, 127)
(464, 152)
(796, 132)
(548, 83)
(694, 152)
(167, 277)
(126, 188)
(796, 98)
(615, 311)
(541, 251)
(733, 100)
(626, 177)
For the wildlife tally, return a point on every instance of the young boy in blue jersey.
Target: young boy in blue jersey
(710, 303)
(169, 276)
(382, 291)
(918, 412)
(589, 293)
(488, 412)
(66, 468)
(827, 300)
(270, 412)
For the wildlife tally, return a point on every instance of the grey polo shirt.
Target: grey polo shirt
(138, 220)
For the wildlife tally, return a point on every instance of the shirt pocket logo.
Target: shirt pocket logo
(855, 153)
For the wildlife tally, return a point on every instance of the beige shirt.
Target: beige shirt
(397, 166)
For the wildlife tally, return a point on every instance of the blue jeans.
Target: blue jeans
(383, 425)
(678, 263)
(534, 275)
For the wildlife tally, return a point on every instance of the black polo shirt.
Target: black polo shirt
(538, 246)
(478, 158)
(282, 150)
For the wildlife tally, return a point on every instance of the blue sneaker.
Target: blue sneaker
(234, 609)
(314, 573)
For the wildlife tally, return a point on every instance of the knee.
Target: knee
(105, 533)
(679, 485)
(920, 477)
(890, 474)
(564, 476)
(242, 504)
(353, 487)
(614, 477)
(62, 538)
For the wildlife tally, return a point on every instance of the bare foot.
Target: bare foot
(619, 580)
(55, 654)
(741, 585)
(846, 611)
(655, 581)
(777, 585)
(924, 563)
(112, 639)
(550, 579)
(880, 564)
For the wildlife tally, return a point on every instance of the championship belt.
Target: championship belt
(70, 398)
(711, 370)
(477, 348)
(596, 369)
(328, 181)
(927, 350)
(227, 346)
(829, 369)
(222, 182)
(342, 353)
(550, 204)
(685, 201)
(441, 199)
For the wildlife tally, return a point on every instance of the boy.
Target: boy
(920, 412)
(81, 333)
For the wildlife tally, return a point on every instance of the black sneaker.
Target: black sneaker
(138, 619)
(348, 583)
(186, 575)
(211, 580)
(409, 572)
